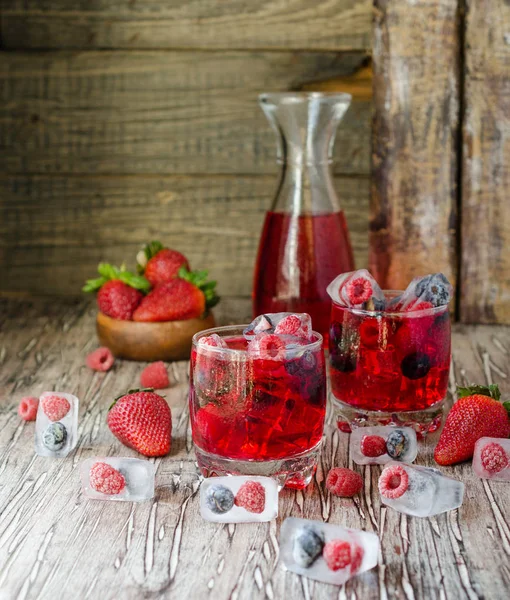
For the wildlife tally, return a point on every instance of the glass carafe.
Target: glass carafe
(305, 242)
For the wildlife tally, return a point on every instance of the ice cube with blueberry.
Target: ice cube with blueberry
(419, 491)
(379, 445)
(298, 325)
(56, 426)
(239, 499)
(429, 291)
(117, 478)
(357, 289)
(491, 459)
(326, 552)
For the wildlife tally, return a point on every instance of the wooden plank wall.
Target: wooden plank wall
(121, 122)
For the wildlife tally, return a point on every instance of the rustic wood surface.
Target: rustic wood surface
(156, 112)
(416, 52)
(52, 538)
(54, 230)
(247, 24)
(485, 235)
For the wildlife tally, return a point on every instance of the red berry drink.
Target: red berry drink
(298, 256)
(257, 406)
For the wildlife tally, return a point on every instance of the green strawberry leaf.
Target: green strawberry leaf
(507, 407)
(93, 285)
(135, 281)
(491, 390)
(109, 272)
(199, 278)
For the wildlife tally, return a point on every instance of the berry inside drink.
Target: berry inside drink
(389, 361)
(257, 408)
(298, 256)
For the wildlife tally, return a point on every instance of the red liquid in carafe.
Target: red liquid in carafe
(299, 255)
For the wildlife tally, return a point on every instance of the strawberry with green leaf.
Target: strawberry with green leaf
(119, 292)
(478, 413)
(159, 264)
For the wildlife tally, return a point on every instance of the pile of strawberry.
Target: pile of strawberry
(164, 289)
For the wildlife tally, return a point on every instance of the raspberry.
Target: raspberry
(344, 482)
(393, 482)
(357, 554)
(251, 496)
(493, 458)
(337, 554)
(294, 325)
(359, 290)
(214, 341)
(373, 445)
(155, 376)
(344, 426)
(100, 360)
(419, 305)
(105, 479)
(27, 408)
(55, 407)
(268, 346)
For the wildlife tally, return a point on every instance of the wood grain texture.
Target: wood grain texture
(50, 535)
(229, 24)
(485, 268)
(121, 112)
(414, 138)
(55, 230)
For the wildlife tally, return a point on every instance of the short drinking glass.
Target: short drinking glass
(257, 415)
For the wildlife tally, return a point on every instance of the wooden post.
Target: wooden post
(485, 239)
(415, 136)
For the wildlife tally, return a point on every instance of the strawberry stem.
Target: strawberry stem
(148, 251)
(484, 390)
(110, 272)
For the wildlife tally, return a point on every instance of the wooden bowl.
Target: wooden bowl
(170, 340)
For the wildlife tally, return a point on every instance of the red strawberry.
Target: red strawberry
(173, 301)
(164, 266)
(105, 479)
(344, 482)
(142, 420)
(478, 413)
(55, 407)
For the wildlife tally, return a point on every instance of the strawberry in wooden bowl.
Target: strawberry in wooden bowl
(152, 315)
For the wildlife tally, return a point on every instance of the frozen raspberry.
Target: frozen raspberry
(267, 346)
(337, 554)
(100, 360)
(105, 479)
(493, 458)
(393, 482)
(155, 376)
(359, 290)
(373, 445)
(294, 325)
(251, 496)
(27, 408)
(214, 341)
(55, 407)
(344, 426)
(419, 305)
(344, 482)
(357, 554)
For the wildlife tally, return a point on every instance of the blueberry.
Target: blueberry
(219, 499)
(307, 362)
(308, 545)
(397, 444)
(435, 289)
(346, 363)
(55, 437)
(415, 365)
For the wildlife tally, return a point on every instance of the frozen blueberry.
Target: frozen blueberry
(435, 289)
(55, 437)
(219, 499)
(308, 545)
(415, 365)
(397, 444)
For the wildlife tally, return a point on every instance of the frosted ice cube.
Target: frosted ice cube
(284, 323)
(56, 433)
(239, 499)
(397, 443)
(419, 491)
(491, 459)
(341, 291)
(138, 478)
(326, 552)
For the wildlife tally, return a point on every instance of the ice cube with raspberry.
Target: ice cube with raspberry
(491, 459)
(357, 289)
(298, 325)
(379, 445)
(326, 552)
(419, 491)
(117, 478)
(239, 499)
(56, 426)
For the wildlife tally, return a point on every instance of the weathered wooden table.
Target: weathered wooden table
(52, 538)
